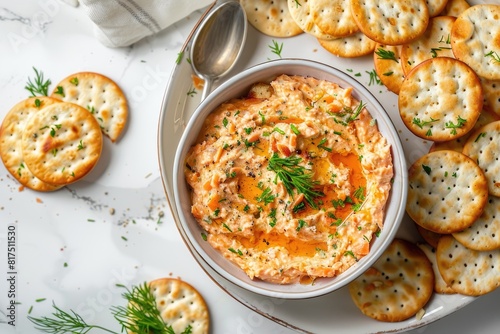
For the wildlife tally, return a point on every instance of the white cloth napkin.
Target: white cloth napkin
(123, 22)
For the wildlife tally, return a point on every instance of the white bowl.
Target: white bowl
(238, 86)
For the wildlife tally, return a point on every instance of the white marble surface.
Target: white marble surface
(115, 226)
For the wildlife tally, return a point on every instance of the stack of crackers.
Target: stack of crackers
(47, 142)
(447, 94)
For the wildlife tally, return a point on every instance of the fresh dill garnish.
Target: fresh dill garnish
(139, 316)
(374, 79)
(191, 92)
(179, 57)
(294, 176)
(276, 48)
(39, 86)
(427, 169)
(493, 56)
(386, 54)
(420, 123)
(267, 197)
(460, 123)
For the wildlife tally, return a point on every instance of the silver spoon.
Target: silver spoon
(218, 43)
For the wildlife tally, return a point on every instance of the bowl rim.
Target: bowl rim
(242, 81)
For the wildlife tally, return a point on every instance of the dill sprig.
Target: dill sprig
(64, 322)
(39, 86)
(139, 316)
(386, 54)
(276, 48)
(293, 175)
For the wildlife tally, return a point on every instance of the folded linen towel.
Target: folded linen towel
(123, 22)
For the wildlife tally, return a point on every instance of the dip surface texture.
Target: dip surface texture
(291, 182)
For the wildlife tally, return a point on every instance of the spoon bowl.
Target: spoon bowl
(218, 43)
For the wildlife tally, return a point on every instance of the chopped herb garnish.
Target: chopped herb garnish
(38, 103)
(386, 54)
(60, 91)
(179, 57)
(493, 56)
(80, 145)
(191, 92)
(204, 236)
(482, 134)
(374, 79)
(460, 123)
(427, 169)
(225, 122)
(266, 196)
(226, 227)
(74, 81)
(294, 129)
(300, 225)
(232, 250)
(418, 122)
(387, 74)
(322, 146)
(276, 48)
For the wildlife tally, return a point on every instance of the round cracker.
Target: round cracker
(467, 271)
(391, 22)
(11, 133)
(429, 237)
(484, 234)
(435, 6)
(435, 42)
(181, 305)
(486, 116)
(455, 7)
(333, 17)
(483, 146)
(447, 192)
(491, 91)
(271, 17)
(355, 45)
(440, 99)
(304, 17)
(475, 39)
(397, 286)
(387, 61)
(440, 285)
(100, 95)
(61, 143)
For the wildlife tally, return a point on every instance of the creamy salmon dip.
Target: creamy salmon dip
(290, 182)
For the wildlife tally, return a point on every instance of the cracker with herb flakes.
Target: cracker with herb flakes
(11, 132)
(440, 99)
(475, 39)
(100, 95)
(181, 305)
(467, 271)
(61, 143)
(397, 286)
(304, 17)
(483, 146)
(387, 61)
(435, 42)
(447, 192)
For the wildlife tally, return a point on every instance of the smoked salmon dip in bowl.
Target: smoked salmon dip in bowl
(290, 179)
